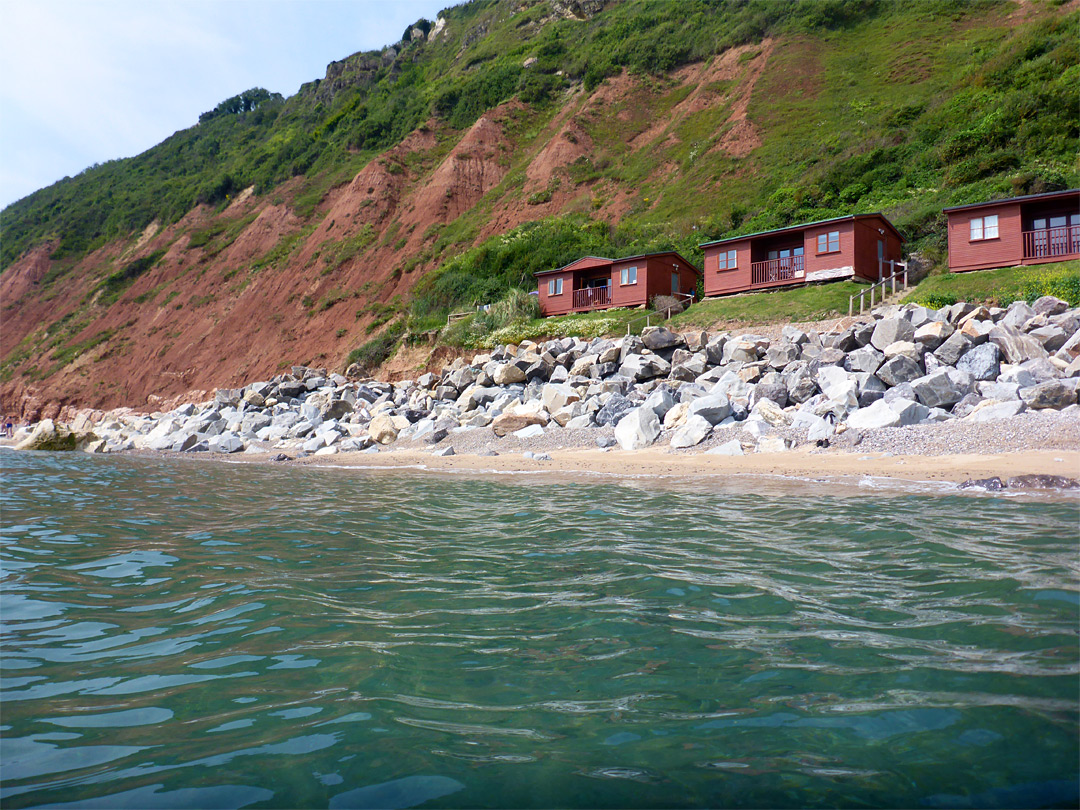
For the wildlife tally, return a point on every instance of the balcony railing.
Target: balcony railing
(592, 298)
(1051, 242)
(776, 271)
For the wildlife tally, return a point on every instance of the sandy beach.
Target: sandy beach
(795, 464)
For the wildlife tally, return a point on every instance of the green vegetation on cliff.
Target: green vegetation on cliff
(888, 104)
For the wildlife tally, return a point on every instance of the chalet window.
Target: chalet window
(629, 275)
(555, 286)
(828, 242)
(726, 261)
(984, 228)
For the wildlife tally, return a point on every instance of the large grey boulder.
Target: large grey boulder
(1041, 369)
(253, 422)
(558, 395)
(660, 401)
(866, 359)
(695, 341)
(799, 379)
(909, 411)
(943, 388)
(1051, 337)
(227, 443)
(900, 369)
(614, 409)
(658, 338)
(990, 411)
(641, 367)
(714, 349)
(714, 408)
(953, 348)
(871, 388)
(780, 354)
(688, 369)
(731, 385)
(917, 314)
(693, 432)
(1000, 391)
(878, 415)
(976, 331)
(891, 330)
(909, 349)
(637, 429)
(1018, 314)
(508, 374)
(743, 349)
(794, 335)
(228, 396)
(777, 392)
(982, 362)
(1070, 350)
(1016, 347)
(933, 334)
(1049, 305)
(1051, 394)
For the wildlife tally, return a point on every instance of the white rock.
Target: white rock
(772, 444)
(878, 415)
(529, 432)
(732, 448)
(637, 429)
(989, 411)
(693, 432)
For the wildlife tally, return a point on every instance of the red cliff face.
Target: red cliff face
(270, 289)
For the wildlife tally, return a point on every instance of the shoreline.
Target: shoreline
(796, 464)
(850, 472)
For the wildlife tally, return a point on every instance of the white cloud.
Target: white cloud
(85, 81)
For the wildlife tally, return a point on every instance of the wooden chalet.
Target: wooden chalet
(1034, 229)
(855, 245)
(594, 282)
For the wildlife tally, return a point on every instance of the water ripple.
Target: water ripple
(193, 634)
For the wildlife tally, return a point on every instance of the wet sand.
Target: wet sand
(798, 463)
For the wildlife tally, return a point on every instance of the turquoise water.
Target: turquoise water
(192, 634)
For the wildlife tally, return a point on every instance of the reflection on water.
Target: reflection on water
(180, 634)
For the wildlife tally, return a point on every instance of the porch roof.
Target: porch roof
(1046, 195)
(804, 226)
(600, 261)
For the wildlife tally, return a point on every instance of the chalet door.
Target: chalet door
(881, 258)
(1059, 235)
(674, 283)
(1039, 238)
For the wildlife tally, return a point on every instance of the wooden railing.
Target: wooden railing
(648, 316)
(776, 271)
(592, 297)
(895, 276)
(1050, 242)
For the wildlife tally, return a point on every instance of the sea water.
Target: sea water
(198, 634)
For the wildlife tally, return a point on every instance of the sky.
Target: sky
(86, 81)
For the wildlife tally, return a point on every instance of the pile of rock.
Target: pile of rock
(906, 366)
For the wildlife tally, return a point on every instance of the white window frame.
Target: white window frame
(727, 260)
(555, 286)
(983, 228)
(831, 240)
(628, 276)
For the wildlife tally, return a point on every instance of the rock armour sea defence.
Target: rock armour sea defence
(910, 366)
